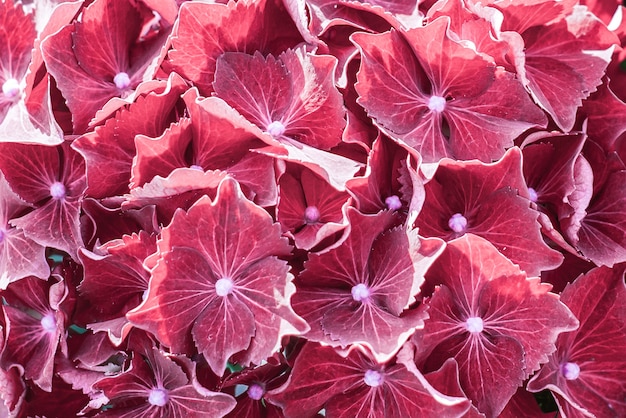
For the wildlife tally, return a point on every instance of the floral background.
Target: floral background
(270, 208)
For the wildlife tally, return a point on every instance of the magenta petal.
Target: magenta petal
(549, 166)
(206, 31)
(179, 189)
(259, 88)
(273, 315)
(56, 225)
(13, 390)
(76, 84)
(19, 256)
(30, 346)
(18, 165)
(389, 182)
(116, 282)
(220, 139)
(602, 235)
(53, 177)
(482, 128)
(224, 328)
(524, 405)
(370, 325)
(18, 35)
(505, 219)
(109, 151)
(256, 175)
(172, 306)
(160, 156)
(356, 386)
(560, 75)
(606, 117)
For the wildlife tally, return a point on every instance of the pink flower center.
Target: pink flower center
(276, 129)
(11, 88)
(474, 324)
(373, 378)
(437, 103)
(196, 167)
(570, 371)
(121, 80)
(312, 215)
(48, 323)
(158, 397)
(458, 223)
(393, 202)
(223, 286)
(57, 190)
(532, 194)
(360, 292)
(256, 391)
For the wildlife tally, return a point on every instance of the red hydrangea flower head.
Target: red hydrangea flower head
(460, 112)
(52, 179)
(498, 324)
(90, 69)
(309, 208)
(156, 386)
(35, 327)
(292, 96)
(490, 200)
(358, 292)
(588, 371)
(223, 255)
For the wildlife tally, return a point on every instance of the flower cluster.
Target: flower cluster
(286, 208)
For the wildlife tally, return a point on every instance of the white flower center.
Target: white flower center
(256, 391)
(11, 88)
(158, 397)
(121, 80)
(312, 214)
(393, 202)
(360, 292)
(458, 223)
(223, 286)
(373, 378)
(57, 190)
(532, 194)
(276, 129)
(474, 324)
(48, 323)
(570, 371)
(437, 103)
